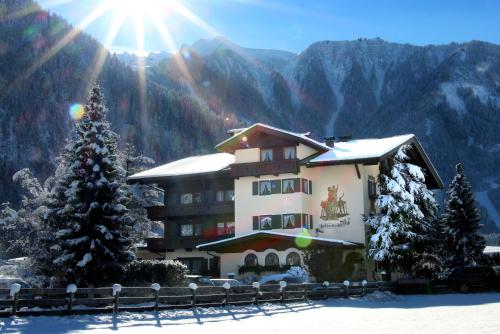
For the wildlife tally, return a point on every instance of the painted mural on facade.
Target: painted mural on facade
(334, 207)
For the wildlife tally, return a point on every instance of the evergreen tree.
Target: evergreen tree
(464, 246)
(90, 241)
(407, 210)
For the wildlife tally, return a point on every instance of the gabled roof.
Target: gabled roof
(229, 144)
(361, 149)
(261, 240)
(188, 166)
(372, 151)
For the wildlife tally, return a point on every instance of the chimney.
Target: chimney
(330, 141)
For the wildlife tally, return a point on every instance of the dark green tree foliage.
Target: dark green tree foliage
(464, 246)
(92, 245)
(325, 263)
(402, 230)
(145, 272)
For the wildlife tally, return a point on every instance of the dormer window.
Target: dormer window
(266, 154)
(289, 152)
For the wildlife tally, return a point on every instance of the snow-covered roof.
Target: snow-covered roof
(361, 149)
(301, 137)
(277, 234)
(491, 249)
(188, 166)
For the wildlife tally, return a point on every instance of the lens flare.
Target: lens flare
(76, 112)
(303, 239)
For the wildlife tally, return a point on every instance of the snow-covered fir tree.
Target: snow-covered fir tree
(19, 228)
(406, 211)
(461, 220)
(142, 196)
(89, 203)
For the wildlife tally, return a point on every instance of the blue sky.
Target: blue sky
(293, 25)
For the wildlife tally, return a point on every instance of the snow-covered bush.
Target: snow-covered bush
(146, 272)
(297, 271)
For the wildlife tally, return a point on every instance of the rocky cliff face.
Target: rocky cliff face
(448, 95)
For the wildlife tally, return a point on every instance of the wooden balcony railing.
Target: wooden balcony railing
(265, 168)
(162, 212)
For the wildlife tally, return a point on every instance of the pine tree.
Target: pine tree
(91, 242)
(464, 246)
(407, 210)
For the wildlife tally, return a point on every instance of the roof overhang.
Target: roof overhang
(232, 143)
(262, 240)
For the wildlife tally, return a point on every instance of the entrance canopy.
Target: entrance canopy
(261, 240)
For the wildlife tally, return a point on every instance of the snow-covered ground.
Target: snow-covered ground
(376, 313)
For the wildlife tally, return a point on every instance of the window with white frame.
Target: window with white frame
(293, 259)
(272, 259)
(187, 230)
(251, 260)
(288, 221)
(265, 188)
(289, 152)
(266, 154)
(219, 196)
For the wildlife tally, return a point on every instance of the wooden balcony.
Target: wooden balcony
(162, 244)
(274, 167)
(215, 208)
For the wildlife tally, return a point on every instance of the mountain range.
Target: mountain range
(448, 95)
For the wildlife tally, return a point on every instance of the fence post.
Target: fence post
(256, 286)
(227, 286)
(282, 290)
(156, 288)
(363, 284)
(71, 290)
(14, 293)
(117, 288)
(346, 288)
(305, 290)
(193, 288)
(326, 284)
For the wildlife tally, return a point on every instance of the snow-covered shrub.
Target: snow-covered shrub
(297, 271)
(146, 272)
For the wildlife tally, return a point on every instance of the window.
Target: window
(306, 186)
(266, 154)
(197, 198)
(229, 195)
(194, 264)
(372, 187)
(272, 260)
(190, 198)
(251, 260)
(288, 221)
(293, 259)
(266, 223)
(265, 188)
(219, 196)
(186, 199)
(225, 228)
(186, 230)
(198, 230)
(289, 152)
(289, 186)
(307, 221)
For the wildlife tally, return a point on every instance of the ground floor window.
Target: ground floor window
(193, 263)
(272, 260)
(293, 259)
(225, 228)
(251, 260)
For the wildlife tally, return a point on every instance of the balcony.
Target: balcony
(162, 244)
(215, 208)
(274, 167)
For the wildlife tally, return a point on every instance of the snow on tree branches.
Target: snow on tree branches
(87, 207)
(464, 246)
(407, 210)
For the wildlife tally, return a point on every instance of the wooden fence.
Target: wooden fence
(72, 300)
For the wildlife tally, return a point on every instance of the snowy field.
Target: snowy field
(377, 313)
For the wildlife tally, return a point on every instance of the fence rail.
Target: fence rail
(32, 302)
